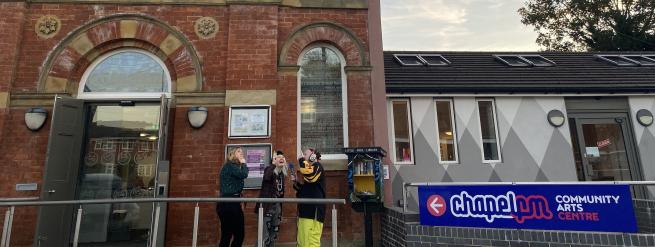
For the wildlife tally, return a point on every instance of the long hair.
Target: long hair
(284, 169)
(232, 155)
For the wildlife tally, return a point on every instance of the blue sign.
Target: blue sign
(606, 208)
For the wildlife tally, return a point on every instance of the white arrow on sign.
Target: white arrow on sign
(435, 205)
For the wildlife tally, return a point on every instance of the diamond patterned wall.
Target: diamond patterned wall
(531, 149)
(645, 138)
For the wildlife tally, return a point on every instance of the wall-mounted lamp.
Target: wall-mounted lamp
(35, 118)
(645, 117)
(197, 116)
(556, 118)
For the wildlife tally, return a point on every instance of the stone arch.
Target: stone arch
(342, 38)
(74, 53)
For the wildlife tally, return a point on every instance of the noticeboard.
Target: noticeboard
(257, 156)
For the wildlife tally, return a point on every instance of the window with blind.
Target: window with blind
(489, 131)
(401, 132)
(446, 131)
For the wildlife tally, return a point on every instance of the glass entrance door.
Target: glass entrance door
(120, 161)
(603, 149)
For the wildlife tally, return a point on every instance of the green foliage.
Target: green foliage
(592, 25)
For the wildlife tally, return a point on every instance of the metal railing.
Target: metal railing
(33, 201)
(405, 185)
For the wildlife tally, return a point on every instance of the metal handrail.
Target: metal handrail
(179, 199)
(33, 201)
(19, 199)
(416, 184)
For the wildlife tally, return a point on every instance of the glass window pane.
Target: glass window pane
(435, 60)
(513, 61)
(606, 153)
(618, 60)
(408, 60)
(488, 130)
(401, 131)
(539, 61)
(641, 60)
(447, 143)
(119, 163)
(321, 102)
(127, 71)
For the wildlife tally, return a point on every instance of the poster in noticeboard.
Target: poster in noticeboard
(249, 122)
(257, 156)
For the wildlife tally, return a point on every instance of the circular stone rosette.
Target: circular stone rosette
(206, 27)
(47, 26)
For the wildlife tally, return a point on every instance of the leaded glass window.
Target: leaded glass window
(322, 90)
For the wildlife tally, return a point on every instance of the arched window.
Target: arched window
(323, 111)
(126, 73)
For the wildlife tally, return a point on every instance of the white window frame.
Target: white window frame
(499, 148)
(123, 95)
(344, 101)
(392, 133)
(454, 130)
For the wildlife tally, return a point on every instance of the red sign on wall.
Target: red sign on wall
(603, 143)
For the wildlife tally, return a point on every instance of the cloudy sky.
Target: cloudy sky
(455, 25)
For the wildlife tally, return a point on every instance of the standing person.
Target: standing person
(230, 213)
(273, 187)
(311, 185)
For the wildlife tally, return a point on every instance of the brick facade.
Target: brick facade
(256, 47)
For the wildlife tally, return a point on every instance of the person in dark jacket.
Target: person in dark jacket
(230, 213)
(310, 185)
(273, 187)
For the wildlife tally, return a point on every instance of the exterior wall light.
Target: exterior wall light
(197, 116)
(556, 118)
(35, 118)
(645, 117)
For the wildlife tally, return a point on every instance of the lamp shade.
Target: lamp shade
(197, 116)
(35, 118)
(556, 118)
(645, 117)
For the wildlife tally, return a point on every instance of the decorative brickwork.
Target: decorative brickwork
(242, 55)
(342, 38)
(206, 27)
(47, 26)
(119, 31)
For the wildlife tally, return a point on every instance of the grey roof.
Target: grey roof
(480, 72)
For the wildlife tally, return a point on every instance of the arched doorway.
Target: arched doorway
(108, 143)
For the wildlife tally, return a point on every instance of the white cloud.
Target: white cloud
(435, 11)
(474, 25)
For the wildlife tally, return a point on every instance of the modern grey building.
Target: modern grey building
(485, 116)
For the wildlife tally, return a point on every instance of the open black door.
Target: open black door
(61, 168)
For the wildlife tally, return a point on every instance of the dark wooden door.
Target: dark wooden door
(61, 168)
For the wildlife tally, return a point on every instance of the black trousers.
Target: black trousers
(231, 216)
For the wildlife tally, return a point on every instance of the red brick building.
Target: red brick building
(113, 60)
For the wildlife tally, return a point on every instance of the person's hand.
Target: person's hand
(242, 160)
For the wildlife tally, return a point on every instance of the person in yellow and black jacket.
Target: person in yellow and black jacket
(311, 184)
